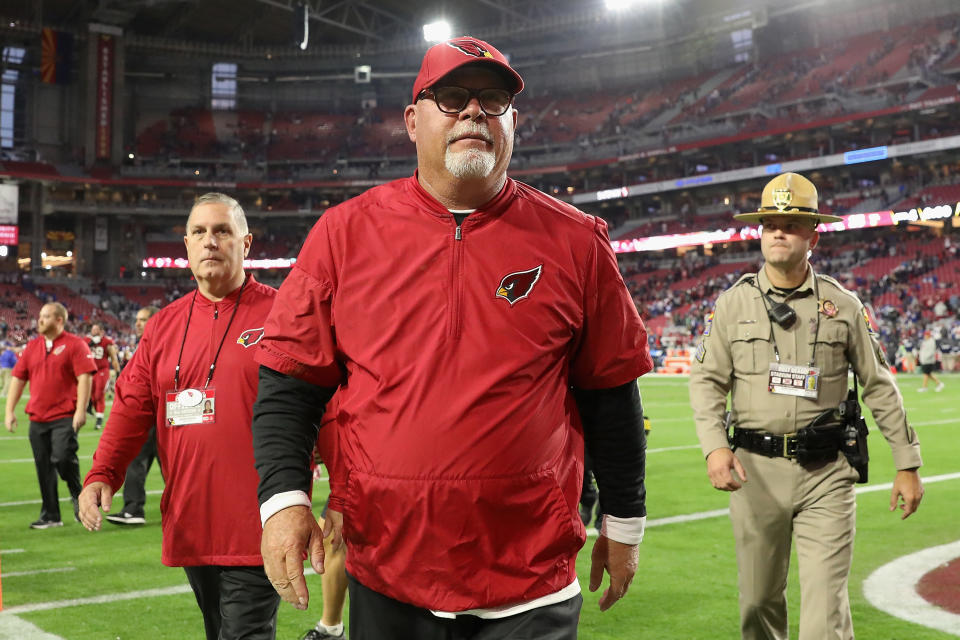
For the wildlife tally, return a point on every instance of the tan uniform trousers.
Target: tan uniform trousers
(815, 505)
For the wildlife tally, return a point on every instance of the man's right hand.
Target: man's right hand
(288, 535)
(94, 496)
(11, 422)
(719, 463)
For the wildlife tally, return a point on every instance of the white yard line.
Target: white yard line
(19, 460)
(14, 574)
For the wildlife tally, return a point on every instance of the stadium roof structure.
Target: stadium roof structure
(374, 26)
(270, 22)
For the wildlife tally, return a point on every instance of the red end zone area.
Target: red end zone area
(941, 587)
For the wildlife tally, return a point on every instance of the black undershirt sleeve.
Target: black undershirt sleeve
(285, 419)
(616, 443)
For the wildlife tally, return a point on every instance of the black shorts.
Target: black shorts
(927, 368)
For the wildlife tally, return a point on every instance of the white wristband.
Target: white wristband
(623, 530)
(280, 501)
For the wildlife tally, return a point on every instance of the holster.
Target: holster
(854, 445)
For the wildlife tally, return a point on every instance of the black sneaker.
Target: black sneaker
(99, 424)
(125, 518)
(45, 524)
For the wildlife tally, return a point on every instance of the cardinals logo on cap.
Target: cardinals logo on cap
(517, 285)
(250, 337)
(470, 47)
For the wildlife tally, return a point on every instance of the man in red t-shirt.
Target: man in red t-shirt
(59, 367)
(104, 351)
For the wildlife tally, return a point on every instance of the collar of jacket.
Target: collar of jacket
(764, 282)
(230, 298)
(489, 211)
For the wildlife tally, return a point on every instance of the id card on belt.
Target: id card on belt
(191, 406)
(794, 380)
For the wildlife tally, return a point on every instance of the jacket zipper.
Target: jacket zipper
(456, 284)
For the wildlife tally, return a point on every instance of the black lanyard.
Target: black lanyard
(213, 365)
(816, 331)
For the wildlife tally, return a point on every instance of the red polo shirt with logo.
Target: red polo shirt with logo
(53, 375)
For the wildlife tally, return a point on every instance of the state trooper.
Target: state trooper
(780, 343)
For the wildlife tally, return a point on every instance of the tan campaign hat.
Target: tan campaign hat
(788, 195)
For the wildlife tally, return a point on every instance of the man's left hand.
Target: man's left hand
(620, 561)
(289, 536)
(908, 487)
(79, 419)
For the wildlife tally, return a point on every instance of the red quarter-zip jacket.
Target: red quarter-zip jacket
(458, 433)
(209, 507)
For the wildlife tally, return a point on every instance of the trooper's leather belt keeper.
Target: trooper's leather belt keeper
(806, 445)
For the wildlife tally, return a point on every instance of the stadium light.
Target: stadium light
(437, 31)
(620, 5)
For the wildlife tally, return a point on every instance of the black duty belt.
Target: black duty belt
(772, 445)
(805, 445)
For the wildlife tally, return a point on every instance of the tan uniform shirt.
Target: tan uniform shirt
(736, 351)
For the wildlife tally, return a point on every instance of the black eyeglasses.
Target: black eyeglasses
(493, 102)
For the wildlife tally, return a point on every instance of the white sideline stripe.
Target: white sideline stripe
(14, 574)
(3, 551)
(679, 448)
(13, 628)
(20, 503)
(152, 492)
(893, 588)
(705, 515)
(90, 457)
(82, 434)
(104, 599)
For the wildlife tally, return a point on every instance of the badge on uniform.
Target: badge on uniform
(794, 380)
(827, 308)
(701, 351)
(191, 406)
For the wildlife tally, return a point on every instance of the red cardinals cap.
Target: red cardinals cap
(443, 58)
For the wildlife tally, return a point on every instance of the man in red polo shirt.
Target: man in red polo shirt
(104, 351)
(59, 367)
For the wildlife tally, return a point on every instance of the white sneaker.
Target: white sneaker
(921, 389)
(939, 387)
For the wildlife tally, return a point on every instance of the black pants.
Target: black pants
(134, 493)
(238, 603)
(55, 447)
(374, 616)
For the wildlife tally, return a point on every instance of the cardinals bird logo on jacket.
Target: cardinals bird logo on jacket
(250, 337)
(518, 285)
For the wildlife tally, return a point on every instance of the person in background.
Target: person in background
(780, 344)
(104, 351)
(8, 360)
(59, 367)
(134, 484)
(928, 361)
(196, 348)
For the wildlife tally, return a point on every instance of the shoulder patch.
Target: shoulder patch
(866, 320)
(707, 323)
(744, 278)
(701, 351)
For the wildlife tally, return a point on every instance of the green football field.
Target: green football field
(69, 583)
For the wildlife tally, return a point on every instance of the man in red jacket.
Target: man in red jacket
(193, 377)
(479, 331)
(59, 367)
